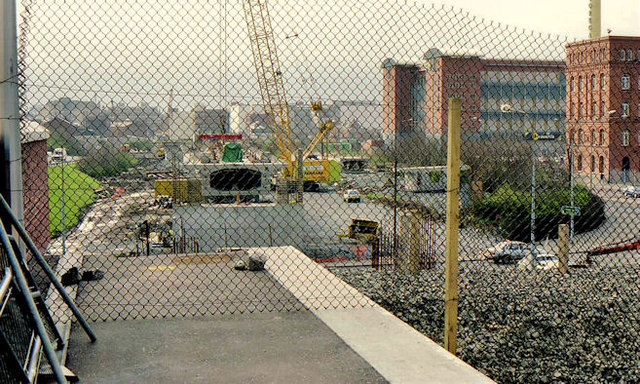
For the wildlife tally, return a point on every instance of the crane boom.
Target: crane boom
(265, 58)
(274, 100)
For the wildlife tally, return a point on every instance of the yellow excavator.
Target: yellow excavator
(265, 59)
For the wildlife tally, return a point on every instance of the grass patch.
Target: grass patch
(78, 191)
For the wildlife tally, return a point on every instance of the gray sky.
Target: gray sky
(564, 17)
(138, 50)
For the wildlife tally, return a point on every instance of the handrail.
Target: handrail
(6, 281)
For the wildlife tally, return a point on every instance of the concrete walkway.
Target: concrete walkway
(281, 347)
(333, 335)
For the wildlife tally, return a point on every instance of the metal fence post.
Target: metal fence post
(452, 230)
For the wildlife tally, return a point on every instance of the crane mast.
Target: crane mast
(274, 100)
(265, 59)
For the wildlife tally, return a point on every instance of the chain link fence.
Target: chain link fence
(163, 143)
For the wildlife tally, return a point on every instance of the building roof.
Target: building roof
(603, 38)
(33, 131)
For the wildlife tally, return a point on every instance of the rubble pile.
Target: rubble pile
(525, 327)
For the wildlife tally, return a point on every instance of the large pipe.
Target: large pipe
(595, 18)
(11, 172)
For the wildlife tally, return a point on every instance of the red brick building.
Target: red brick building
(415, 96)
(603, 107)
(35, 183)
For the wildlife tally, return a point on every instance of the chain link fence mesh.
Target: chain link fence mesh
(173, 135)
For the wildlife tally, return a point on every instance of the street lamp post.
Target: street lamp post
(63, 218)
(508, 108)
(571, 220)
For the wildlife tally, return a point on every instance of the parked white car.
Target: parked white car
(507, 252)
(632, 190)
(352, 195)
(541, 261)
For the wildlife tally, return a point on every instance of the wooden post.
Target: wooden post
(476, 190)
(452, 228)
(300, 177)
(563, 248)
(414, 243)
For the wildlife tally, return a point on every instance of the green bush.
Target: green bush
(508, 210)
(141, 145)
(78, 194)
(106, 162)
(435, 176)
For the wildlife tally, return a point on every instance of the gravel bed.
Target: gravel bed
(522, 326)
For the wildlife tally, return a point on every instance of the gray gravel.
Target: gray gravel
(525, 327)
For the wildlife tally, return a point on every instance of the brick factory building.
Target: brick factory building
(415, 96)
(603, 107)
(35, 182)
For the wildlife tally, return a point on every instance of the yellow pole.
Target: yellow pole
(594, 19)
(452, 228)
(563, 248)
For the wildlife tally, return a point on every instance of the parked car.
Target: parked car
(508, 252)
(352, 195)
(542, 261)
(632, 190)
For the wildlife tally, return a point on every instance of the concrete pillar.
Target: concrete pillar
(10, 153)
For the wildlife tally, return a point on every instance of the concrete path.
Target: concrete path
(282, 347)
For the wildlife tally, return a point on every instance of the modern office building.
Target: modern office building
(415, 96)
(603, 107)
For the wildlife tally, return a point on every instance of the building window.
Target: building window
(622, 55)
(593, 163)
(579, 136)
(572, 84)
(593, 136)
(603, 108)
(593, 83)
(581, 110)
(625, 109)
(602, 81)
(629, 55)
(601, 166)
(601, 141)
(580, 83)
(639, 138)
(570, 110)
(626, 82)
(625, 138)
(579, 162)
(593, 109)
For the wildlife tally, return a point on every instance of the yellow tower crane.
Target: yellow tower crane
(274, 100)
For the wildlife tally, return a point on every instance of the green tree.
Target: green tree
(106, 161)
